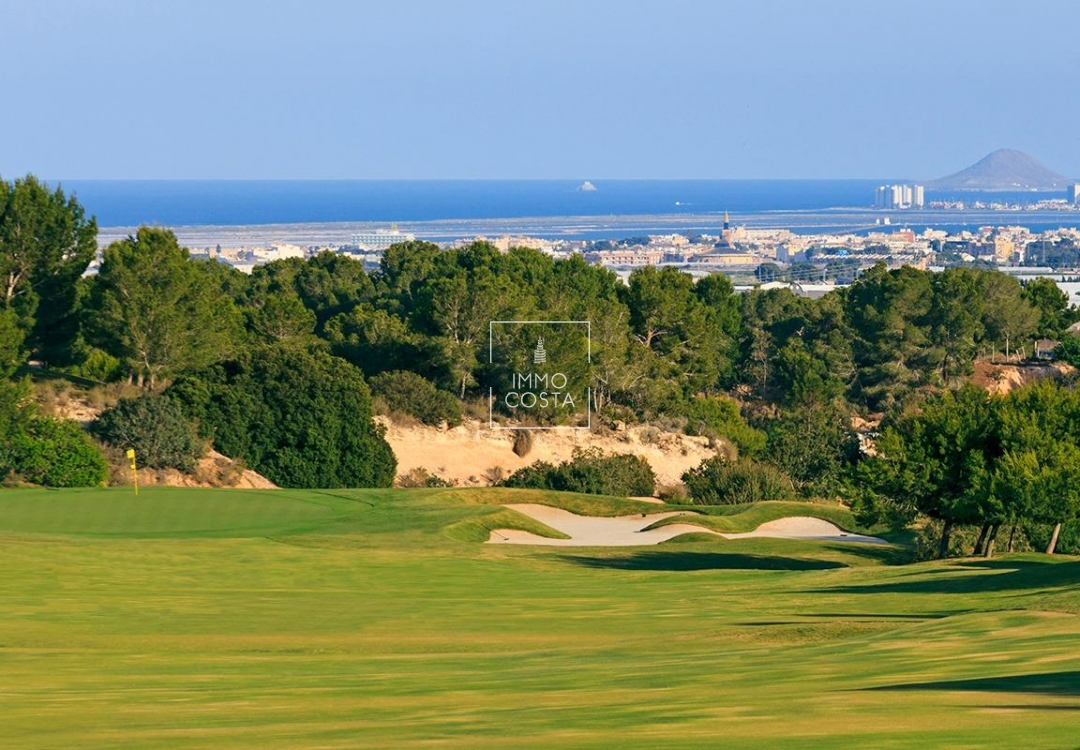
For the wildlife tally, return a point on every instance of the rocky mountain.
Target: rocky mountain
(1003, 169)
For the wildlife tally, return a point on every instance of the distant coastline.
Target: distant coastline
(823, 221)
(186, 203)
(445, 210)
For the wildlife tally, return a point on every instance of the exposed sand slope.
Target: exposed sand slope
(1000, 379)
(626, 531)
(466, 454)
(212, 470)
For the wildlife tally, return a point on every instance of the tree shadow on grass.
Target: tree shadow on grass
(980, 577)
(686, 561)
(884, 554)
(1044, 683)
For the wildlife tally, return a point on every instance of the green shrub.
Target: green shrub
(53, 453)
(99, 365)
(589, 471)
(156, 426)
(717, 481)
(299, 418)
(407, 392)
(718, 417)
(1038, 536)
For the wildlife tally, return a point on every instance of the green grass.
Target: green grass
(370, 619)
(736, 519)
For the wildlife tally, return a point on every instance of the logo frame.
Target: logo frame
(492, 425)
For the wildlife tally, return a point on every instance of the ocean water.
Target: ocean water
(447, 209)
(241, 202)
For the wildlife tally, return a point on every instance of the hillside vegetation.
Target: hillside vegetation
(273, 369)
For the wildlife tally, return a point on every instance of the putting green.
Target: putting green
(166, 512)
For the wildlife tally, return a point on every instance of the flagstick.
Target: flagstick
(134, 471)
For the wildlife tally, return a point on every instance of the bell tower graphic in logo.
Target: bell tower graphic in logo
(539, 355)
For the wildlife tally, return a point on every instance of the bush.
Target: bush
(53, 453)
(589, 471)
(718, 481)
(299, 418)
(411, 394)
(421, 477)
(523, 442)
(156, 427)
(927, 541)
(718, 416)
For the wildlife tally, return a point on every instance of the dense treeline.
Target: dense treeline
(274, 366)
(965, 457)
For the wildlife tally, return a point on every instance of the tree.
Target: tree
(53, 453)
(888, 314)
(1038, 477)
(955, 321)
(1052, 305)
(1008, 316)
(158, 310)
(683, 337)
(814, 445)
(46, 243)
(769, 272)
(300, 418)
(936, 460)
(11, 343)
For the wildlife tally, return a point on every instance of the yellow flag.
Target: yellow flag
(131, 453)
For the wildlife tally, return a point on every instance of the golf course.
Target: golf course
(199, 618)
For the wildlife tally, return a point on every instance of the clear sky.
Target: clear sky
(581, 89)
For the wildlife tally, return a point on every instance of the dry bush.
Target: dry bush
(421, 477)
(673, 493)
(523, 442)
(649, 435)
(494, 476)
(219, 471)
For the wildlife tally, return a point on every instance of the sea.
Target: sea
(444, 209)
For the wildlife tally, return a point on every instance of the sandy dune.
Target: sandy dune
(468, 454)
(628, 531)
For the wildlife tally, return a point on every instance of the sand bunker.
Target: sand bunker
(629, 531)
(591, 531)
(805, 527)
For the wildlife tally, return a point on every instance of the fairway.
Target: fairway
(377, 619)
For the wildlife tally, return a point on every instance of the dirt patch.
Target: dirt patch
(472, 454)
(212, 470)
(1000, 379)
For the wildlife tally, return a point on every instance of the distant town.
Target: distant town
(812, 263)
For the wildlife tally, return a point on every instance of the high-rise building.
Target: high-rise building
(380, 239)
(1074, 193)
(899, 196)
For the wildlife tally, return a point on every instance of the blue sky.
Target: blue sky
(582, 89)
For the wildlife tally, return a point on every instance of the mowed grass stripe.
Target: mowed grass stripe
(378, 629)
(159, 511)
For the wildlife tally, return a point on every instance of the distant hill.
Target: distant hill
(1003, 169)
